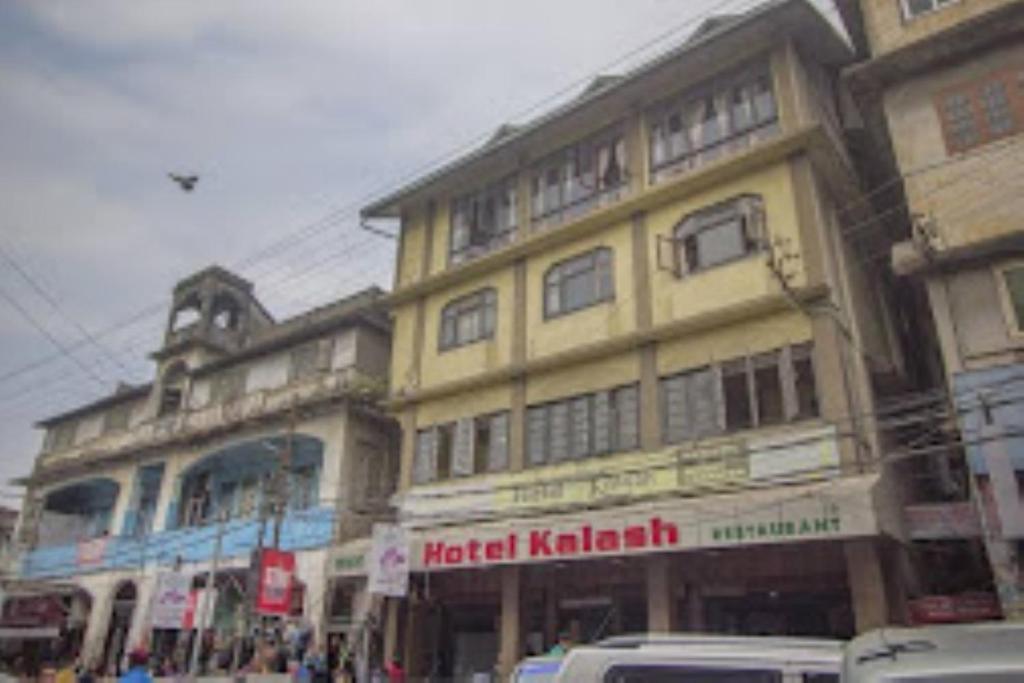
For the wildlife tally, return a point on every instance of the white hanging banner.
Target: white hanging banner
(170, 601)
(389, 561)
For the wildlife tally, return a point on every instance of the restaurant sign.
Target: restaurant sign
(820, 511)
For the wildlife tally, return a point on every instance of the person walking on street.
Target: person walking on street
(138, 664)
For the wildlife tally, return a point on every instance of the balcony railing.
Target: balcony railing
(300, 530)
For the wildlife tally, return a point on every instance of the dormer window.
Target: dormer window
(915, 8)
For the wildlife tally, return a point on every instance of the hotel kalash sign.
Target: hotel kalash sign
(727, 497)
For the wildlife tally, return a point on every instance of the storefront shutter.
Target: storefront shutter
(497, 457)
(580, 445)
(602, 422)
(462, 448)
(425, 465)
(559, 442)
(627, 417)
(536, 435)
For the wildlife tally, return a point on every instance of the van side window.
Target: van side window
(669, 673)
(820, 678)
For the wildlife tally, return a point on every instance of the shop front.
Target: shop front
(802, 560)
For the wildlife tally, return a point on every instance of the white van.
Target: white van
(987, 653)
(703, 659)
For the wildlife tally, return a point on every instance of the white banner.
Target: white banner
(170, 601)
(389, 561)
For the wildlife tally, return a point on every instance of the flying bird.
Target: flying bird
(187, 182)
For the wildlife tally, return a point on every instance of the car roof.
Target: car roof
(890, 653)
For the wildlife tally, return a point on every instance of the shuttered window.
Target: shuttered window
(468, 446)
(582, 426)
(983, 110)
(742, 393)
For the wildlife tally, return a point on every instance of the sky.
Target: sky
(294, 114)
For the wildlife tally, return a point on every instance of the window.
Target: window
(915, 8)
(302, 487)
(468, 446)
(227, 385)
(469, 319)
(572, 181)
(716, 235)
(308, 360)
(172, 391)
(679, 673)
(63, 435)
(742, 393)
(139, 520)
(482, 221)
(1011, 281)
(579, 282)
(982, 111)
(582, 426)
(117, 418)
(711, 119)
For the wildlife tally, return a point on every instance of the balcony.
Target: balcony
(300, 530)
(942, 521)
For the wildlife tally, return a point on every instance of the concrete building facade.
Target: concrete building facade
(948, 80)
(633, 360)
(254, 430)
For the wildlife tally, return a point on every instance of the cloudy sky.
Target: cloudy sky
(293, 113)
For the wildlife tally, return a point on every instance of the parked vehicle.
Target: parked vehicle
(540, 669)
(990, 652)
(703, 659)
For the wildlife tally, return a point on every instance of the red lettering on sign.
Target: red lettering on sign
(566, 544)
(664, 533)
(588, 539)
(433, 553)
(540, 544)
(494, 551)
(607, 540)
(635, 537)
(473, 550)
(453, 554)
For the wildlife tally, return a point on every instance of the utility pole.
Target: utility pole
(204, 608)
(281, 490)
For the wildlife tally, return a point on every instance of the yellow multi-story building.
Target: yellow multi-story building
(632, 359)
(945, 79)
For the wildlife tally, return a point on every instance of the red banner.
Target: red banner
(91, 552)
(940, 609)
(276, 578)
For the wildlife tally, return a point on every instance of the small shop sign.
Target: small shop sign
(389, 561)
(276, 580)
(170, 600)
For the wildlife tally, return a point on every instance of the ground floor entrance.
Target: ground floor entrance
(472, 624)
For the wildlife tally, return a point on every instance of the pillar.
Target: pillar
(99, 621)
(867, 583)
(510, 647)
(391, 616)
(694, 609)
(661, 602)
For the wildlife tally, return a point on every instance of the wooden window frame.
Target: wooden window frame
(1012, 79)
(495, 238)
(476, 302)
(749, 207)
(595, 449)
(594, 267)
(937, 6)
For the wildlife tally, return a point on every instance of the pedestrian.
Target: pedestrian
(138, 668)
(395, 672)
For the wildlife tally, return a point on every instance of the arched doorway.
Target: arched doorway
(120, 624)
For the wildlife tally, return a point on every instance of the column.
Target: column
(694, 609)
(99, 621)
(661, 602)
(510, 647)
(391, 617)
(867, 583)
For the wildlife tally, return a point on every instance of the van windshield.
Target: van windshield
(538, 672)
(668, 673)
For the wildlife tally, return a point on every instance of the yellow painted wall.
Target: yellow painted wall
(591, 376)
(413, 233)
(888, 30)
(977, 197)
(733, 283)
(744, 337)
(596, 323)
(481, 402)
(442, 231)
(402, 351)
(439, 366)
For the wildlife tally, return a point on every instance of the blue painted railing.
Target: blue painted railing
(301, 530)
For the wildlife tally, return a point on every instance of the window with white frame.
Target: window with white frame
(571, 181)
(468, 446)
(742, 393)
(469, 318)
(714, 236)
(583, 426)
(579, 282)
(482, 221)
(915, 8)
(714, 118)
